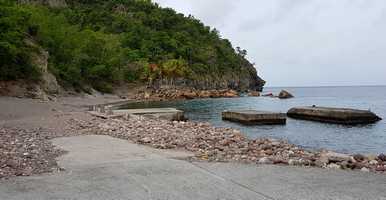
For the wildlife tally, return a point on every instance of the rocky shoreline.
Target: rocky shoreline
(27, 150)
(209, 143)
(184, 93)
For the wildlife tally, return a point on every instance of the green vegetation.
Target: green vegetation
(100, 43)
(14, 52)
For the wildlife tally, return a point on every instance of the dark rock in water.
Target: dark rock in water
(334, 115)
(252, 117)
(285, 95)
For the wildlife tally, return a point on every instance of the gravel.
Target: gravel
(209, 143)
(26, 152)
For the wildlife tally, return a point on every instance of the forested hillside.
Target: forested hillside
(103, 43)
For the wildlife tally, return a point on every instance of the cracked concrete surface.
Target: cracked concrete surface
(102, 167)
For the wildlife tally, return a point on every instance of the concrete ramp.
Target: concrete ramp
(106, 168)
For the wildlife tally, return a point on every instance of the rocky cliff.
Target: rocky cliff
(142, 37)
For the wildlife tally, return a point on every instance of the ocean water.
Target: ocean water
(312, 135)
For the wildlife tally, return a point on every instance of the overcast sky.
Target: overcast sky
(302, 42)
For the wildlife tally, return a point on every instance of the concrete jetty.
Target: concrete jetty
(254, 117)
(171, 114)
(111, 110)
(333, 115)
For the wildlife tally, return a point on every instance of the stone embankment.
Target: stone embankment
(224, 144)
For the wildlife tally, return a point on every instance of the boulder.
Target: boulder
(230, 94)
(337, 157)
(189, 95)
(382, 157)
(359, 157)
(254, 94)
(285, 95)
(322, 161)
(265, 161)
(205, 94)
(333, 166)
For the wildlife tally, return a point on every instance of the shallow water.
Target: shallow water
(314, 135)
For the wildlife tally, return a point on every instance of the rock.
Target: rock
(230, 94)
(268, 152)
(358, 165)
(254, 94)
(147, 95)
(13, 163)
(285, 95)
(345, 165)
(146, 140)
(337, 157)
(27, 172)
(373, 162)
(333, 166)
(280, 161)
(380, 168)
(365, 169)
(359, 157)
(204, 94)
(295, 162)
(382, 157)
(189, 95)
(265, 161)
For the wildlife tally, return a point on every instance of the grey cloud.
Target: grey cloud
(302, 42)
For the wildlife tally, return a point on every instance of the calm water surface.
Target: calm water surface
(314, 135)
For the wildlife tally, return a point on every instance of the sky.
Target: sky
(302, 42)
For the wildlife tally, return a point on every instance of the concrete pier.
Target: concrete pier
(171, 114)
(253, 117)
(333, 115)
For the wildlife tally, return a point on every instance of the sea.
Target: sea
(366, 139)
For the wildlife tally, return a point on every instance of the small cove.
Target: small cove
(342, 138)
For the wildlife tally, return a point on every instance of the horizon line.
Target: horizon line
(372, 85)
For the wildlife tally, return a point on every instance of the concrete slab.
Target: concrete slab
(170, 114)
(101, 167)
(254, 117)
(333, 115)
